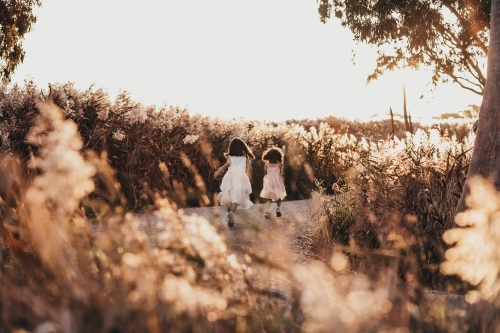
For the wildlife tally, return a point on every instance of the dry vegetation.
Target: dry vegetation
(385, 205)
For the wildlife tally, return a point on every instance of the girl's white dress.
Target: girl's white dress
(273, 188)
(235, 186)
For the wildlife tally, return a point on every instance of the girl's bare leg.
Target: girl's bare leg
(268, 204)
(278, 211)
(267, 214)
(228, 207)
(231, 208)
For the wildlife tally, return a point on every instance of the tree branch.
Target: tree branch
(464, 22)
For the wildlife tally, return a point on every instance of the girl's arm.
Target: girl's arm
(249, 168)
(223, 168)
(282, 172)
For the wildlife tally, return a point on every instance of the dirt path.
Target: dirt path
(277, 237)
(263, 244)
(252, 231)
(266, 244)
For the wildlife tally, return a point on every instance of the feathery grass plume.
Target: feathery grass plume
(340, 303)
(421, 175)
(64, 178)
(335, 217)
(474, 255)
(182, 280)
(51, 254)
(400, 197)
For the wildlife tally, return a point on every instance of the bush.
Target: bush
(404, 193)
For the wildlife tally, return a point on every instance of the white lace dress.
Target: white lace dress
(235, 186)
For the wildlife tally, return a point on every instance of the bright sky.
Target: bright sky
(258, 59)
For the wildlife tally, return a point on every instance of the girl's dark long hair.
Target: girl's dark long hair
(273, 155)
(238, 147)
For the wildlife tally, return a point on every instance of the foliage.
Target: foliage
(62, 272)
(16, 20)
(405, 192)
(57, 273)
(472, 112)
(73, 257)
(170, 152)
(337, 215)
(451, 37)
(473, 252)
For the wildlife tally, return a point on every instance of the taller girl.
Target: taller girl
(235, 187)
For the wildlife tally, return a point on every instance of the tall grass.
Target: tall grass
(399, 199)
(168, 152)
(74, 258)
(60, 274)
(148, 146)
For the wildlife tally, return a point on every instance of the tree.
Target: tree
(448, 36)
(485, 160)
(16, 19)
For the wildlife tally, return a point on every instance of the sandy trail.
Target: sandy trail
(253, 232)
(278, 242)
(271, 244)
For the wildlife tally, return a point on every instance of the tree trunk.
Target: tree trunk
(485, 160)
(392, 122)
(405, 114)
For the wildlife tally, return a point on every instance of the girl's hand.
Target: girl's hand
(222, 168)
(282, 172)
(249, 169)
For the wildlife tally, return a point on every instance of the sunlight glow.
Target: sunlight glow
(257, 60)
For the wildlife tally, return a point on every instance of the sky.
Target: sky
(258, 59)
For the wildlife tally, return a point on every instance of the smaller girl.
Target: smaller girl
(235, 186)
(274, 180)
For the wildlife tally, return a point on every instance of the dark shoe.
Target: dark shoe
(230, 219)
(278, 213)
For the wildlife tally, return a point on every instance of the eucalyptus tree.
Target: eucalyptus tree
(16, 19)
(451, 36)
(485, 160)
(448, 36)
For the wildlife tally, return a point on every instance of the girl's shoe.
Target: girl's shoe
(227, 217)
(278, 212)
(267, 214)
(230, 219)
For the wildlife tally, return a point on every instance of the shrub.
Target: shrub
(406, 197)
